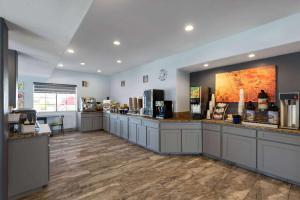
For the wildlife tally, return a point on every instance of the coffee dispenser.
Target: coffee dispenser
(289, 109)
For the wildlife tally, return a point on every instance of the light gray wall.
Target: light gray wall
(135, 87)
(98, 87)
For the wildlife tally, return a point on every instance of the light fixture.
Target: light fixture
(82, 63)
(99, 71)
(60, 65)
(70, 51)
(206, 65)
(252, 55)
(189, 28)
(117, 43)
(119, 61)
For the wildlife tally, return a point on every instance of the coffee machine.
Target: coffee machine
(149, 99)
(163, 109)
(289, 110)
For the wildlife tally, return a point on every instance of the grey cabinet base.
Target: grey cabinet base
(27, 153)
(19, 196)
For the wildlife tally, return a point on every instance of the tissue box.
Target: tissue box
(13, 118)
(27, 128)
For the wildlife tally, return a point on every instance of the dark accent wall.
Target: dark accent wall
(3, 108)
(288, 74)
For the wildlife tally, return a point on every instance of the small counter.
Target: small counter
(28, 162)
(44, 130)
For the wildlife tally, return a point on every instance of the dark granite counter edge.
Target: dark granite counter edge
(44, 130)
(221, 122)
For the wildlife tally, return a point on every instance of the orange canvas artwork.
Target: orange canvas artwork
(252, 80)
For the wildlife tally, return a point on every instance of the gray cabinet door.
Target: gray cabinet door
(212, 143)
(106, 124)
(282, 160)
(132, 132)
(113, 122)
(118, 127)
(191, 141)
(153, 139)
(171, 141)
(141, 135)
(97, 123)
(239, 149)
(124, 128)
(86, 124)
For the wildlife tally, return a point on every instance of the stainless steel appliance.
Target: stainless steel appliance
(87, 104)
(163, 109)
(289, 110)
(107, 105)
(27, 121)
(199, 101)
(149, 99)
(26, 115)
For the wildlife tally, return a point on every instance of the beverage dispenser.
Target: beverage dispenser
(199, 101)
(289, 110)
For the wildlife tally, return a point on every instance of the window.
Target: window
(49, 97)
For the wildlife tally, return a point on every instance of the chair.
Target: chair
(59, 123)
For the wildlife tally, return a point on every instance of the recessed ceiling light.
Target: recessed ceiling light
(117, 43)
(70, 51)
(119, 61)
(252, 55)
(189, 28)
(82, 63)
(60, 65)
(206, 65)
(99, 71)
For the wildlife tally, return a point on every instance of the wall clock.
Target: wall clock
(163, 74)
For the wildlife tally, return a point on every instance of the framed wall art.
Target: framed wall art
(145, 79)
(251, 80)
(122, 83)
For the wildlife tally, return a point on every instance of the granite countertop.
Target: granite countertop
(44, 130)
(187, 117)
(280, 130)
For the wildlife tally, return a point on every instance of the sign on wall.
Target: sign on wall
(252, 80)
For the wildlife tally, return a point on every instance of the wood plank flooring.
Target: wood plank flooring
(101, 166)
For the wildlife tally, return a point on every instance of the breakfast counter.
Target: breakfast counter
(271, 151)
(187, 118)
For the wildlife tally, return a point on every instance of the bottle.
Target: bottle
(262, 101)
(250, 111)
(273, 114)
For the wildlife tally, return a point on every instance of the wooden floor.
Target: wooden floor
(102, 166)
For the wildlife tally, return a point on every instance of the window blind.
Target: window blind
(54, 88)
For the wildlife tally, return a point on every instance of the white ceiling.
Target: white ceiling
(148, 29)
(41, 29)
(153, 29)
